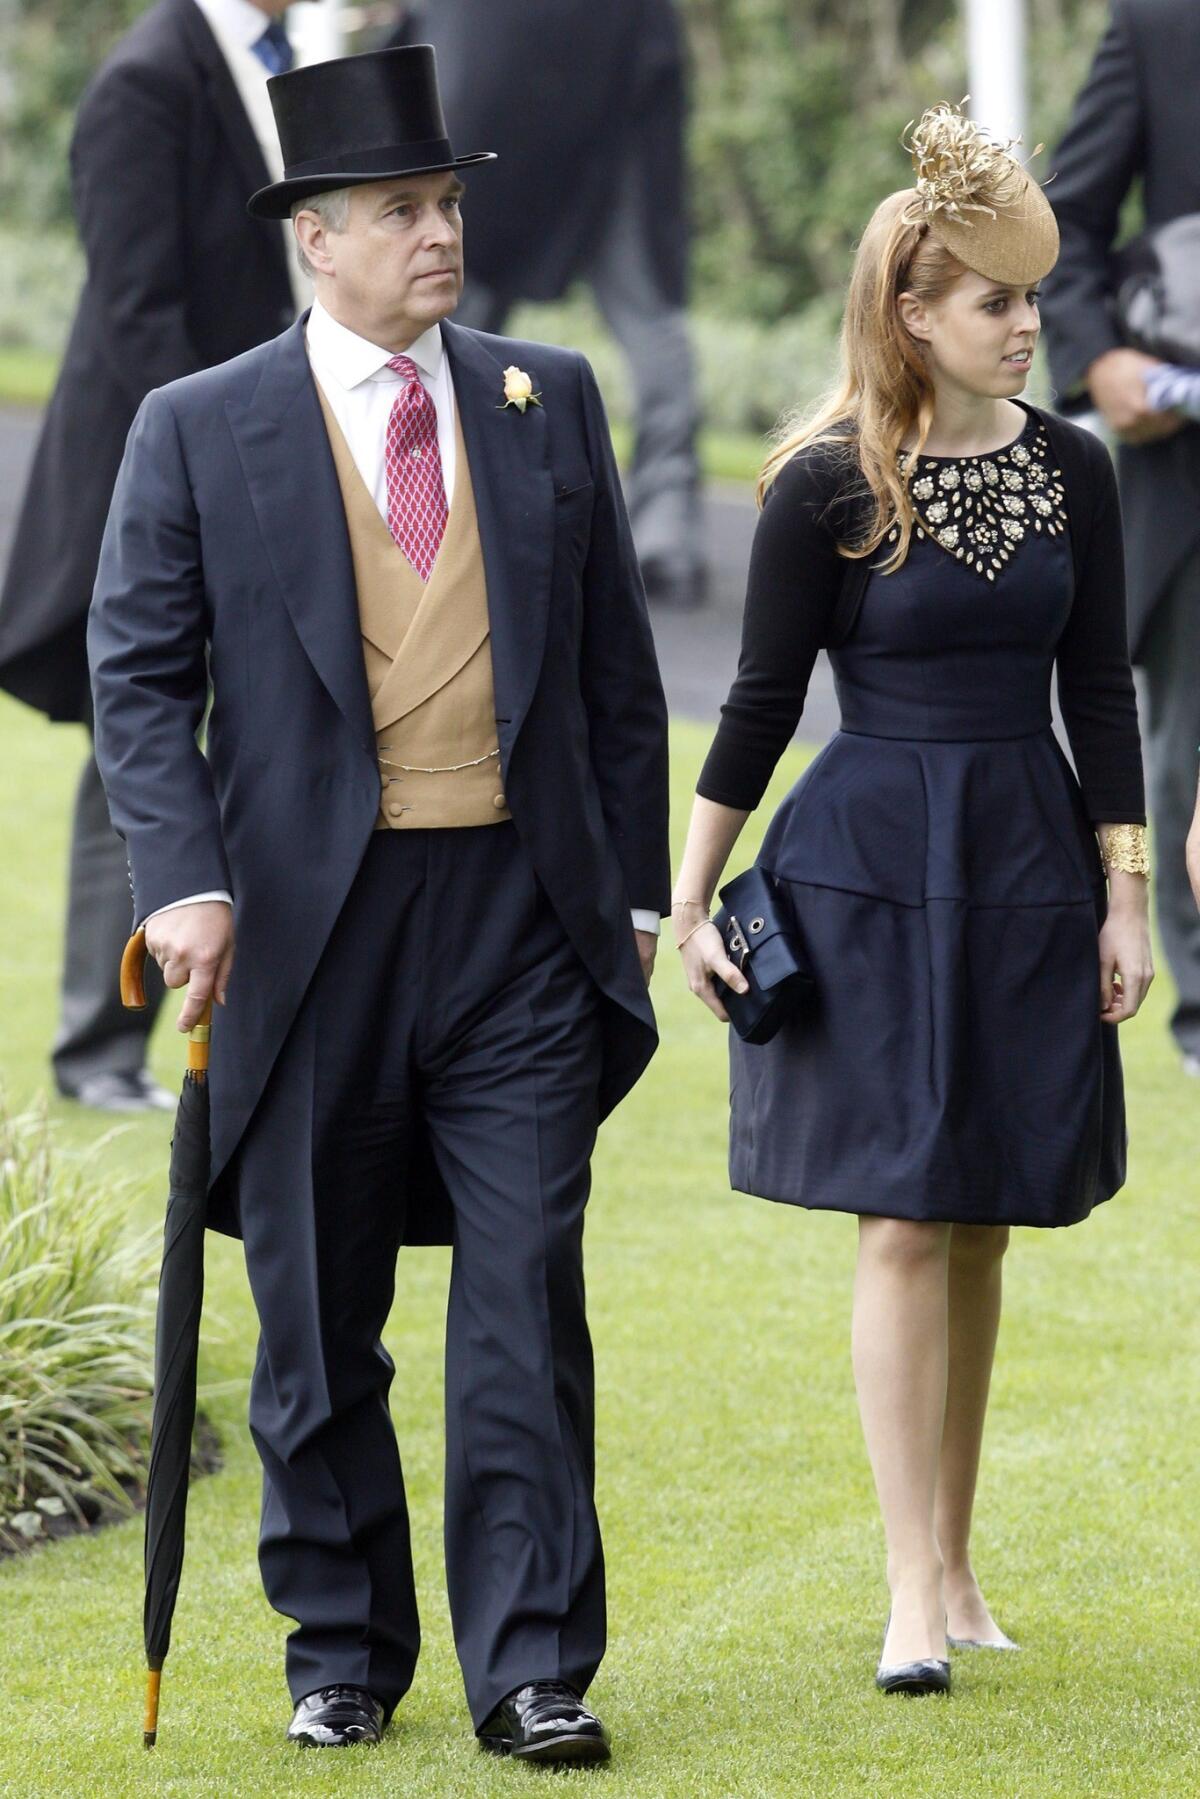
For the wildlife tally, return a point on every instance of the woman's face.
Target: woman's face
(979, 338)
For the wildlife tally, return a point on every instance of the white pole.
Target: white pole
(996, 65)
(316, 30)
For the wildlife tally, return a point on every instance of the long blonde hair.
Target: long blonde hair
(884, 395)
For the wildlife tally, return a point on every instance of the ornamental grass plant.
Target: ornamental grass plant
(76, 1333)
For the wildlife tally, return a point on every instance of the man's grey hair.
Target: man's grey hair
(333, 210)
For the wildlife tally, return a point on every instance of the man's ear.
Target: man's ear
(310, 235)
(914, 316)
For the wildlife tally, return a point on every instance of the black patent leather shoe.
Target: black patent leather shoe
(929, 1675)
(914, 1678)
(336, 1718)
(545, 1721)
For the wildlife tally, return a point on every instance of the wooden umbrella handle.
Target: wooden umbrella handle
(133, 998)
(133, 971)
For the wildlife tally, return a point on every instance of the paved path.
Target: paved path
(697, 650)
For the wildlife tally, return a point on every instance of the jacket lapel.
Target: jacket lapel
(226, 101)
(284, 450)
(508, 452)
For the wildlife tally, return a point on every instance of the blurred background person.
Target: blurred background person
(1135, 121)
(585, 105)
(172, 134)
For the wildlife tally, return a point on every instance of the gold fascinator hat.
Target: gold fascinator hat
(983, 204)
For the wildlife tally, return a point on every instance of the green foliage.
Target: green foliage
(797, 109)
(50, 49)
(76, 1309)
(40, 277)
(798, 106)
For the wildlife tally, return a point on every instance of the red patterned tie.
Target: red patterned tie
(416, 492)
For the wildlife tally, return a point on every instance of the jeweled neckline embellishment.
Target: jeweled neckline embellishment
(980, 509)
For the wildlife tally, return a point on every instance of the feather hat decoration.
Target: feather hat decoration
(982, 203)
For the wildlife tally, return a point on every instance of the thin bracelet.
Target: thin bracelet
(689, 934)
(675, 904)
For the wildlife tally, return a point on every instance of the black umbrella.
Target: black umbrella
(176, 1341)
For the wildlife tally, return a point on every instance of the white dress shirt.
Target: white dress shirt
(354, 376)
(237, 25)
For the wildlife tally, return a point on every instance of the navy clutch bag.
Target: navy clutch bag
(760, 937)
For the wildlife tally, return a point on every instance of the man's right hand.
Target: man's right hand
(193, 945)
(1117, 383)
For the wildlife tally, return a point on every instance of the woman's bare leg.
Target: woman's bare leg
(976, 1265)
(899, 1339)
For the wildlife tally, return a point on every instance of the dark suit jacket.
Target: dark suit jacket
(178, 277)
(228, 537)
(564, 91)
(1135, 118)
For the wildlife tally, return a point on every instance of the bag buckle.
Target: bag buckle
(737, 942)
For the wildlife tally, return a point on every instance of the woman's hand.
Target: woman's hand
(712, 833)
(702, 952)
(1126, 964)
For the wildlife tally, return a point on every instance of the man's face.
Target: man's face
(397, 268)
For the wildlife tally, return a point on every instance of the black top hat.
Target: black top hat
(357, 119)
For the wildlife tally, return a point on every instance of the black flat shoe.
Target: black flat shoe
(336, 1718)
(545, 1721)
(914, 1678)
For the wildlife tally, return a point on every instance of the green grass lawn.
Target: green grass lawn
(746, 1583)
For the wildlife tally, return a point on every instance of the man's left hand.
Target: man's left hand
(647, 946)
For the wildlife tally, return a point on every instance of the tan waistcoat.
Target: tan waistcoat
(428, 658)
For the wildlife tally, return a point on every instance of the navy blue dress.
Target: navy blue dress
(947, 885)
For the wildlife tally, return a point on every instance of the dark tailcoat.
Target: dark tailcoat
(1134, 119)
(564, 91)
(178, 278)
(227, 537)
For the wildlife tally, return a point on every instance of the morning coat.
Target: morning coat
(1135, 118)
(564, 91)
(227, 540)
(178, 277)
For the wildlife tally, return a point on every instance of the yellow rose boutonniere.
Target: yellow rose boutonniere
(518, 390)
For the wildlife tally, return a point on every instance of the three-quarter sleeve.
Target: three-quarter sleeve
(792, 588)
(1095, 682)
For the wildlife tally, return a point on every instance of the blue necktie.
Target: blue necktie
(273, 49)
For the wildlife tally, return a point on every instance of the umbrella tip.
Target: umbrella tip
(149, 1738)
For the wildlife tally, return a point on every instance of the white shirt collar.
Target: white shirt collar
(237, 19)
(352, 359)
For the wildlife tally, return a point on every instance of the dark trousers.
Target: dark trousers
(662, 487)
(448, 1009)
(95, 1034)
(1169, 692)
